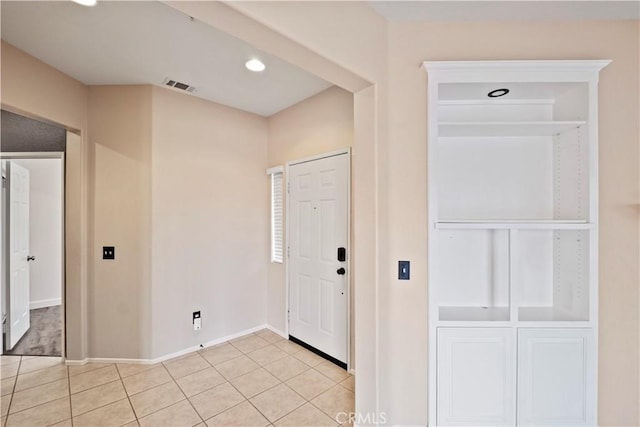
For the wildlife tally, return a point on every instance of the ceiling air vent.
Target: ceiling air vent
(178, 85)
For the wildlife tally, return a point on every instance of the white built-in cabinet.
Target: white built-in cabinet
(513, 242)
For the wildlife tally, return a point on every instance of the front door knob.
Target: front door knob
(31, 258)
(341, 271)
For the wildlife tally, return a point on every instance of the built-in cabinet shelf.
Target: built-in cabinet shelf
(547, 314)
(514, 224)
(474, 314)
(513, 217)
(502, 129)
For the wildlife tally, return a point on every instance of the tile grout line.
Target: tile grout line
(135, 415)
(165, 407)
(321, 393)
(70, 404)
(93, 386)
(159, 409)
(295, 409)
(229, 382)
(38, 385)
(225, 380)
(90, 370)
(39, 369)
(34, 406)
(13, 390)
(101, 406)
(246, 399)
(228, 360)
(320, 409)
(182, 391)
(280, 382)
(286, 385)
(143, 391)
(194, 408)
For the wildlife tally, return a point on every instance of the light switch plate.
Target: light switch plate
(404, 270)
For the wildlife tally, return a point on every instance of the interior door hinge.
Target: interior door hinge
(288, 251)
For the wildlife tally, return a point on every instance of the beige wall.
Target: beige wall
(619, 192)
(210, 220)
(397, 154)
(120, 291)
(317, 125)
(33, 88)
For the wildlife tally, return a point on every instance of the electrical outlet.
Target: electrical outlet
(197, 321)
(108, 252)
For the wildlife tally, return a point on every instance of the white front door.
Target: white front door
(19, 257)
(318, 219)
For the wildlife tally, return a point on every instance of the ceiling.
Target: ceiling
(144, 42)
(477, 10)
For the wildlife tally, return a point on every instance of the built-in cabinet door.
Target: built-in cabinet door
(476, 377)
(556, 377)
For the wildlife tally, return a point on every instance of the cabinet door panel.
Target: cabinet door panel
(556, 377)
(476, 377)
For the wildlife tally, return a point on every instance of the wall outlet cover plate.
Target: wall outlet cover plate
(404, 270)
(108, 252)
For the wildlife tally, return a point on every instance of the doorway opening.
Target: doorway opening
(32, 253)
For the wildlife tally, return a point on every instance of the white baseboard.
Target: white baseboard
(181, 352)
(121, 360)
(44, 303)
(172, 355)
(69, 362)
(277, 331)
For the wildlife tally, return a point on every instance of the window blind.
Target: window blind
(277, 208)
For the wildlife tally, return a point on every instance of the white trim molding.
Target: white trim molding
(275, 169)
(172, 355)
(45, 303)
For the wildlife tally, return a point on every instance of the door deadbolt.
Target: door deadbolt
(341, 271)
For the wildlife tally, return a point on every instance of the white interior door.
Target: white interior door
(19, 257)
(318, 226)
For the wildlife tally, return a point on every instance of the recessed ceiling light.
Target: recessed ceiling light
(255, 65)
(497, 93)
(86, 2)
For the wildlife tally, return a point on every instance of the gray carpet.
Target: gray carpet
(44, 336)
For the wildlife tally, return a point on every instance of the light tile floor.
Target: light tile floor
(256, 380)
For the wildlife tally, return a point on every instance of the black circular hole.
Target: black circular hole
(498, 93)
